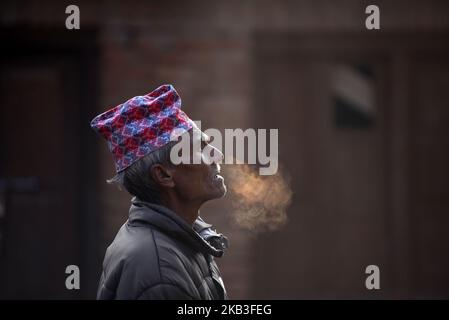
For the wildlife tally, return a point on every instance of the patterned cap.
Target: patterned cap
(142, 125)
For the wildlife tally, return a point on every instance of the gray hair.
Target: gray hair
(136, 178)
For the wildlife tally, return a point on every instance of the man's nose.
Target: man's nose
(217, 155)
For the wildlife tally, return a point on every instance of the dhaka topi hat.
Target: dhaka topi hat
(142, 125)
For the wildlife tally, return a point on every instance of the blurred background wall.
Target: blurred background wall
(363, 125)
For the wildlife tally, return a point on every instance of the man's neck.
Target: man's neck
(188, 212)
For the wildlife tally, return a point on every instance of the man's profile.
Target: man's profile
(165, 250)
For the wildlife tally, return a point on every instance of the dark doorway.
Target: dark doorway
(48, 95)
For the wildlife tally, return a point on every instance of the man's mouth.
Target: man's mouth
(217, 175)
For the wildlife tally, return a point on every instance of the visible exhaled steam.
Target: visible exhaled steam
(260, 202)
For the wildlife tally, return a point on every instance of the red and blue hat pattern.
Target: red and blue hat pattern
(142, 125)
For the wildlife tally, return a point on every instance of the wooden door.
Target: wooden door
(45, 224)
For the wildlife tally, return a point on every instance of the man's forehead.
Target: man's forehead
(200, 135)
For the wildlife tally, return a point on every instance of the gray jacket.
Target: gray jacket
(156, 255)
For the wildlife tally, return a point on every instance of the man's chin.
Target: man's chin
(224, 190)
(218, 192)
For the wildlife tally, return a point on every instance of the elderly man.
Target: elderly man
(164, 250)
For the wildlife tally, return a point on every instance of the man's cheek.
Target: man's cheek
(197, 158)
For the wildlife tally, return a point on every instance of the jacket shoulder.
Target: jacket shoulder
(131, 263)
(142, 257)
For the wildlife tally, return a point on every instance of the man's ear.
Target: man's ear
(162, 175)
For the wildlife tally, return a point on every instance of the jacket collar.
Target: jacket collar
(200, 235)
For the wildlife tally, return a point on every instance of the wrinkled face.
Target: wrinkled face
(200, 182)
